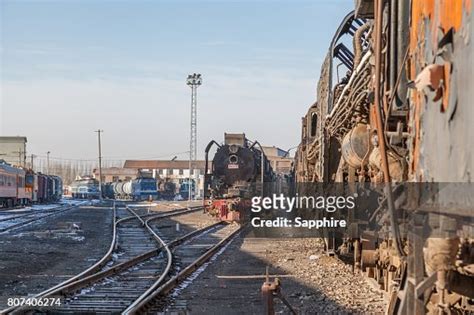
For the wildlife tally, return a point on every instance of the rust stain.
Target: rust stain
(436, 17)
(450, 14)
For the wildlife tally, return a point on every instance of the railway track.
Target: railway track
(9, 222)
(137, 256)
(186, 258)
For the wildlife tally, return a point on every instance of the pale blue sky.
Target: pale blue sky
(69, 67)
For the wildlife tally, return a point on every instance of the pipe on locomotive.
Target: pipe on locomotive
(261, 160)
(378, 9)
(208, 147)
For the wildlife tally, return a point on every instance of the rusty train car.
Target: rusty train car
(394, 108)
(20, 187)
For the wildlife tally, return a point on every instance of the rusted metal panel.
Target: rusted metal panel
(441, 149)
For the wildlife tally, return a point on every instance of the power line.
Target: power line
(111, 158)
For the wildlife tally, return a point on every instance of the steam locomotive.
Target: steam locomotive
(238, 171)
(394, 109)
(166, 189)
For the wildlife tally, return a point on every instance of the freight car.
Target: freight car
(121, 189)
(239, 170)
(394, 110)
(139, 189)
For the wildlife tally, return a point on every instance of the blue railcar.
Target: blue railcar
(185, 186)
(144, 188)
(85, 188)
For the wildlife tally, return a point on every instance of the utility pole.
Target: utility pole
(47, 162)
(193, 81)
(32, 161)
(100, 163)
(19, 152)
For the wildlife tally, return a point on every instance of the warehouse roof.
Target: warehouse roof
(163, 164)
(13, 139)
(116, 171)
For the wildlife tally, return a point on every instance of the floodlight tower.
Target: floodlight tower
(193, 81)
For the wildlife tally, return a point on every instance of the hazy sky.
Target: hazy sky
(70, 67)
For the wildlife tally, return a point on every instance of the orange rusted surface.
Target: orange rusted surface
(442, 14)
(434, 17)
(450, 14)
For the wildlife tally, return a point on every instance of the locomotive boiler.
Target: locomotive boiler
(238, 171)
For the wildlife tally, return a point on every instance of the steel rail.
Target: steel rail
(169, 258)
(155, 291)
(30, 213)
(56, 289)
(86, 272)
(39, 217)
(91, 275)
(114, 270)
(167, 248)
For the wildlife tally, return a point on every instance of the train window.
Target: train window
(2, 180)
(29, 179)
(314, 124)
(181, 171)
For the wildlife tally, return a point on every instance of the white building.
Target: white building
(176, 171)
(13, 150)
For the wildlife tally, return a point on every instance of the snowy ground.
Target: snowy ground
(28, 215)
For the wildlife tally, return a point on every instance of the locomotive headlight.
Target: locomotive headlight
(233, 159)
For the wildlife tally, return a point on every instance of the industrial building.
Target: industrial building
(115, 174)
(176, 171)
(279, 159)
(13, 150)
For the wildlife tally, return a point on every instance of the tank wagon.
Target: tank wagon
(139, 189)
